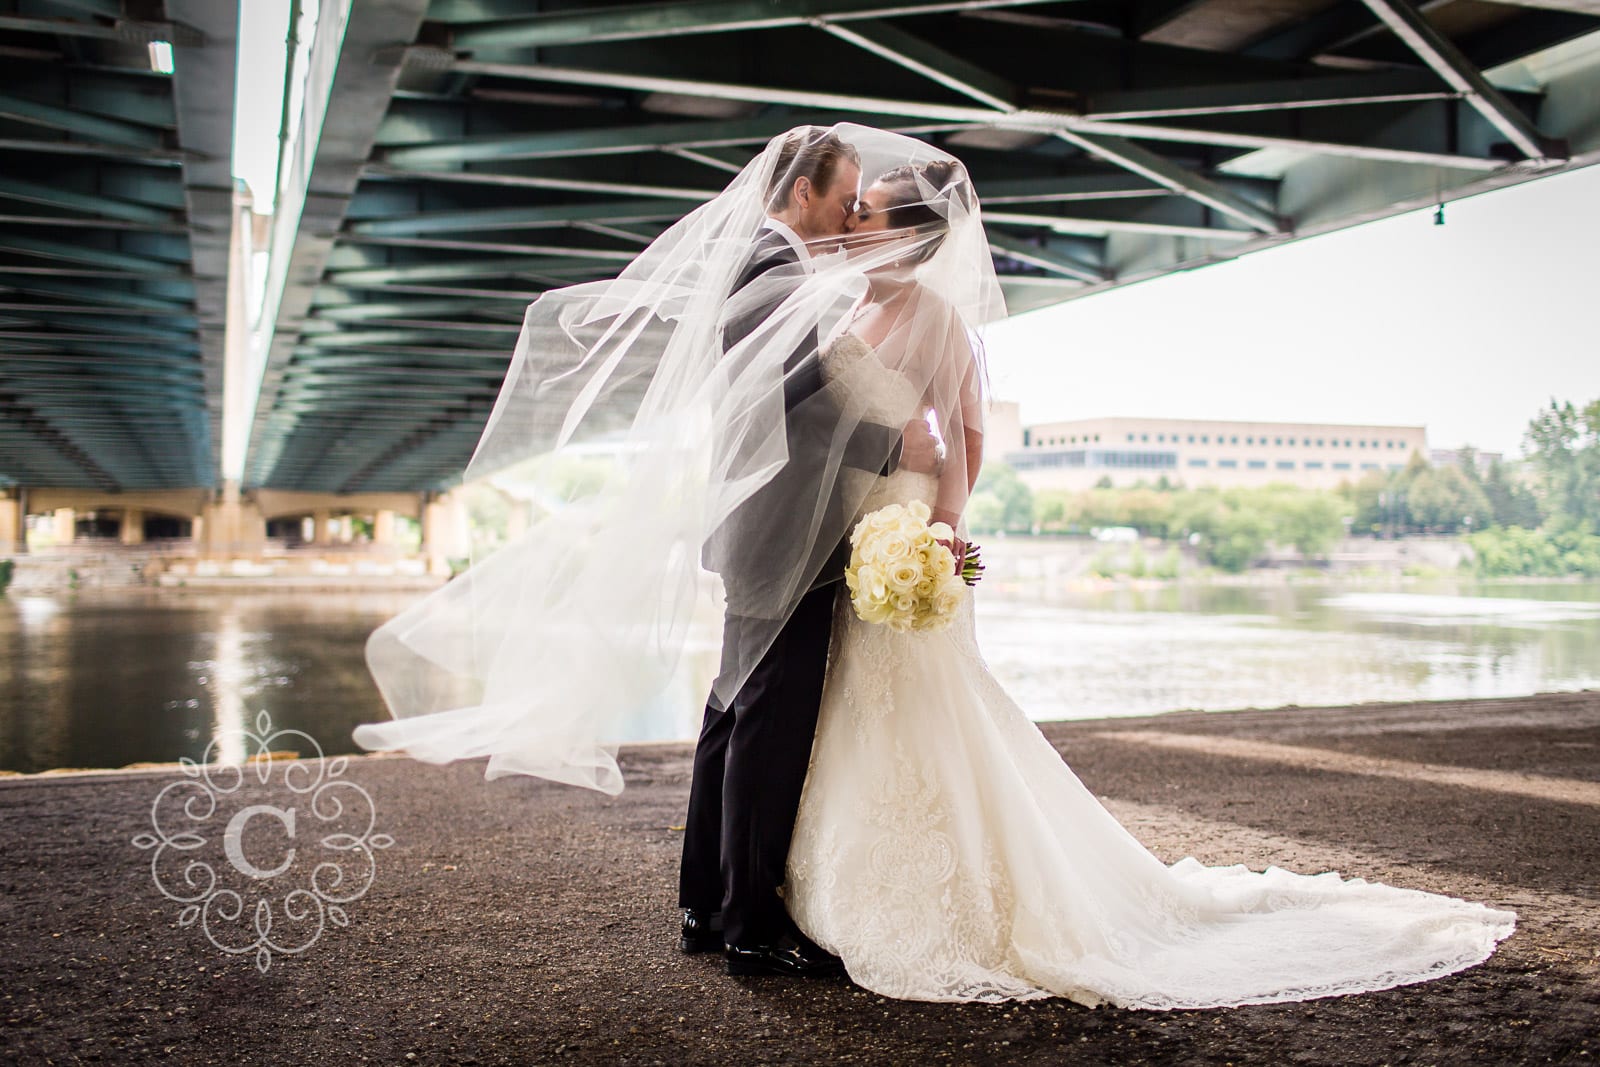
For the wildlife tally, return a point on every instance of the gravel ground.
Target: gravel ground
(516, 921)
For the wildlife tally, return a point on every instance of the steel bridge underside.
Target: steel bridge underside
(473, 155)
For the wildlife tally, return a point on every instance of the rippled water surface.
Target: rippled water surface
(106, 679)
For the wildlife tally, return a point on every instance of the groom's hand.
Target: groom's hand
(920, 449)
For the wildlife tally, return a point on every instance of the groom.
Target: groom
(750, 761)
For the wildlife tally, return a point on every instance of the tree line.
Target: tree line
(1539, 516)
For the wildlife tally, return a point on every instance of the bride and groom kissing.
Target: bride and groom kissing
(795, 354)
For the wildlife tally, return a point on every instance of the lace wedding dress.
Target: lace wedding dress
(946, 852)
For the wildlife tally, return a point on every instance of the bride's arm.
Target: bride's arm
(964, 441)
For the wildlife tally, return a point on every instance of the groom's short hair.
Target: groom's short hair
(809, 152)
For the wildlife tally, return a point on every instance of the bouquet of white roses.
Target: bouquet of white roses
(900, 576)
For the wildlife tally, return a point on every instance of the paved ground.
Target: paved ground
(521, 922)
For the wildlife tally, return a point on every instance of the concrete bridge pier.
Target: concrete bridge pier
(13, 522)
(446, 533)
(230, 525)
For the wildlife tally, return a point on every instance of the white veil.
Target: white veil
(726, 446)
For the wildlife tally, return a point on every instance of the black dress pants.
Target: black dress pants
(749, 768)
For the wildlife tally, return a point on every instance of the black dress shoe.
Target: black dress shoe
(787, 956)
(702, 931)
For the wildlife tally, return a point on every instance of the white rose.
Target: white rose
(940, 531)
(919, 510)
(904, 576)
(894, 547)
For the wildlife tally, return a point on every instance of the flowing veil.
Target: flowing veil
(716, 447)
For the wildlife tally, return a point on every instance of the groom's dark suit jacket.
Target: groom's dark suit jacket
(761, 532)
(750, 761)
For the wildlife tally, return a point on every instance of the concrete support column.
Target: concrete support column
(445, 532)
(319, 526)
(13, 525)
(383, 534)
(132, 532)
(66, 525)
(233, 525)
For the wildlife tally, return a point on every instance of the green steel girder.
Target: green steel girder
(143, 98)
(56, 196)
(1100, 137)
(115, 209)
(109, 295)
(612, 140)
(510, 25)
(102, 130)
(87, 253)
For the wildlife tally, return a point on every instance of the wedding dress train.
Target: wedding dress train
(946, 852)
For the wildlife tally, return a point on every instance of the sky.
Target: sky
(1468, 329)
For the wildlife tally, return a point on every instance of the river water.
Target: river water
(104, 679)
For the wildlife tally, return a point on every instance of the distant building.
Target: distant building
(1451, 457)
(1203, 452)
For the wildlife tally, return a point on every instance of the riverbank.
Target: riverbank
(518, 921)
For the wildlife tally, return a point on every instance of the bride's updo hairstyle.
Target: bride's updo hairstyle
(923, 199)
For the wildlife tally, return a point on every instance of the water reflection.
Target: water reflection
(1136, 652)
(104, 679)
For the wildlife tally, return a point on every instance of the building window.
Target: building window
(1369, 466)
(1278, 441)
(1235, 440)
(1347, 442)
(1257, 464)
(1191, 439)
(1397, 466)
(1144, 437)
(1286, 464)
(1040, 460)
(1130, 437)
(1363, 444)
(1319, 442)
(1229, 463)
(1313, 464)
(1143, 460)
(1205, 439)
(1249, 440)
(1291, 442)
(1199, 463)
(1341, 466)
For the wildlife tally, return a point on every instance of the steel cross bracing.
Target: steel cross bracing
(115, 214)
(476, 153)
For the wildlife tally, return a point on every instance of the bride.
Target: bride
(945, 851)
(942, 847)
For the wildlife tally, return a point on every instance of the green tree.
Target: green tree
(1563, 442)
(1016, 499)
(1512, 502)
(1147, 510)
(985, 513)
(1239, 539)
(1050, 510)
(1311, 522)
(1369, 502)
(1443, 498)
(1545, 553)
